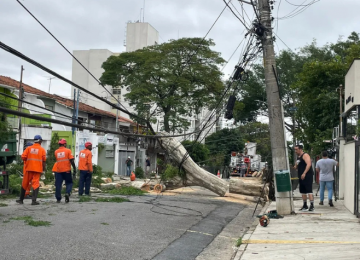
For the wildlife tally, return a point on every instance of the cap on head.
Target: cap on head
(87, 144)
(62, 141)
(37, 138)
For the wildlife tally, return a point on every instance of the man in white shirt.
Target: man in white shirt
(325, 167)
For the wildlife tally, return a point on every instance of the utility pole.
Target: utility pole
(74, 109)
(284, 203)
(77, 107)
(21, 96)
(117, 115)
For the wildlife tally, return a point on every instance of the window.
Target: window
(49, 107)
(116, 91)
(352, 124)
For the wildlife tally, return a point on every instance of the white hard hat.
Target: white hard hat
(128, 157)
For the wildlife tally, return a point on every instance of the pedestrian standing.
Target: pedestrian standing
(243, 168)
(34, 158)
(325, 167)
(64, 161)
(86, 169)
(129, 163)
(147, 162)
(305, 174)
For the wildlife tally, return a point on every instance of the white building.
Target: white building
(138, 36)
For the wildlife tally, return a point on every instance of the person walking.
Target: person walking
(86, 169)
(325, 167)
(305, 174)
(64, 161)
(128, 162)
(147, 163)
(34, 158)
(27, 192)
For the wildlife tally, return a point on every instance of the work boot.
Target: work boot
(22, 196)
(35, 194)
(321, 203)
(331, 203)
(67, 198)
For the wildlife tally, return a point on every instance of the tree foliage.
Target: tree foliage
(197, 151)
(308, 79)
(222, 143)
(175, 79)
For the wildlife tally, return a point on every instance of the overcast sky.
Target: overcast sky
(95, 24)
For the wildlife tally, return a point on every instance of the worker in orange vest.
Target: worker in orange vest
(27, 192)
(86, 169)
(34, 158)
(64, 161)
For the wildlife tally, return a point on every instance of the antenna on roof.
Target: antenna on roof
(144, 12)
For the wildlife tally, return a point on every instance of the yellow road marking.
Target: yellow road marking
(262, 241)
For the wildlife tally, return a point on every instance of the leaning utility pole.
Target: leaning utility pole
(284, 203)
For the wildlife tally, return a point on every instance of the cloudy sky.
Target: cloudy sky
(95, 24)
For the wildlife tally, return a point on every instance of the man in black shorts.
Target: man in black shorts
(305, 174)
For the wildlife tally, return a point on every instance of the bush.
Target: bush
(171, 172)
(108, 174)
(15, 182)
(139, 173)
(96, 177)
(126, 191)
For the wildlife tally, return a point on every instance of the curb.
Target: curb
(249, 233)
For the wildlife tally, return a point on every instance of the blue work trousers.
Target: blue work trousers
(85, 180)
(329, 187)
(59, 178)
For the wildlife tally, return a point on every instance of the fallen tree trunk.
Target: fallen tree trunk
(250, 188)
(195, 175)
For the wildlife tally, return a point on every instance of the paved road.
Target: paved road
(149, 227)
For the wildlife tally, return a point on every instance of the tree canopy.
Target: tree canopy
(222, 143)
(175, 79)
(197, 151)
(308, 80)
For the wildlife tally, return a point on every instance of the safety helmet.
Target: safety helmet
(27, 145)
(87, 144)
(62, 141)
(37, 138)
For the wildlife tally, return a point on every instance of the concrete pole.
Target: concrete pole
(276, 122)
(21, 90)
(117, 115)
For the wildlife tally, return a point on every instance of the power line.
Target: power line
(235, 14)
(69, 53)
(31, 61)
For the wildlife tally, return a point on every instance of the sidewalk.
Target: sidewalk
(326, 233)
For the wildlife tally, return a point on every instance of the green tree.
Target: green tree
(50, 160)
(197, 151)
(175, 79)
(222, 143)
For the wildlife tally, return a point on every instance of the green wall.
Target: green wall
(67, 135)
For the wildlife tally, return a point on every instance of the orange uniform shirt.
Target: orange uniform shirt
(54, 169)
(34, 156)
(85, 160)
(63, 157)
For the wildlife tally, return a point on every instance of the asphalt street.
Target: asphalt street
(179, 226)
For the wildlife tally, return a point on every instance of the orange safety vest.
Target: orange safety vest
(85, 160)
(34, 156)
(54, 169)
(63, 157)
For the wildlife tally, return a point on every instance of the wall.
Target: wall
(342, 169)
(81, 138)
(349, 175)
(140, 35)
(92, 60)
(352, 85)
(67, 135)
(28, 133)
